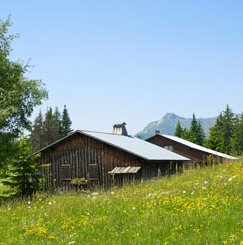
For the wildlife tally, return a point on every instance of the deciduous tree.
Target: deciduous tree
(18, 95)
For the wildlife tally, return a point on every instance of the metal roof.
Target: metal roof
(124, 170)
(198, 147)
(136, 146)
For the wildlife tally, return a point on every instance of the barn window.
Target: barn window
(169, 147)
(93, 171)
(66, 171)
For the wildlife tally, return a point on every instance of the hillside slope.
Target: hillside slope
(167, 125)
(197, 207)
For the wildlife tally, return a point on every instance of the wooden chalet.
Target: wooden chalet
(198, 154)
(104, 159)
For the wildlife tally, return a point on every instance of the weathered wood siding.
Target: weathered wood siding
(80, 156)
(195, 155)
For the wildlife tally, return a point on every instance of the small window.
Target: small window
(66, 172)
(169, 147)
(93, 171)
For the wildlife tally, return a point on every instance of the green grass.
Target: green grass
(3, 190)
(198, 207)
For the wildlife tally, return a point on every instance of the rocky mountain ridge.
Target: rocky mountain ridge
(167, 125)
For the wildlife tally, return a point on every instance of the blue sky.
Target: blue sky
(132, 61)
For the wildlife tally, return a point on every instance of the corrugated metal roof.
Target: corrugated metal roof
(136, 146)
(198, 147)
(124, 170)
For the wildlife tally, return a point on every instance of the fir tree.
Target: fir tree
(193, 129)
(241, 135)
(186, 134)
(237, 139)
(50, 130)
(58, 121)
(37, 133)
(25, 175)
(227, 129)
(215, 139)
(197, 134)
(66, 122)
(178, 130)
(236, 149)
(200, 134)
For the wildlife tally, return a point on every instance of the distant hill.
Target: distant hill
(167, 125)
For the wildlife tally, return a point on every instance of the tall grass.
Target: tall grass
(197, 207)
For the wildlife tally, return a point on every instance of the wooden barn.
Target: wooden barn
(198, 154)
(104, 159)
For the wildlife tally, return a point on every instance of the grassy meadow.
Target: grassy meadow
(197, 207)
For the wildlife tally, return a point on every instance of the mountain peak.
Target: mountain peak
(170, 116)
(167, 125)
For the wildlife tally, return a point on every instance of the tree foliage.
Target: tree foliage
(194, 134)
(223, 135)
(24, 175)
(178, 130)
(49, 129)
(18, 96)
(66, 122)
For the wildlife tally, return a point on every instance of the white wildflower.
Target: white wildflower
(149, 195)
(95, 194)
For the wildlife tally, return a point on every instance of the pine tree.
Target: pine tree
(66, 122)
(178, 130)
(186, 134)
(58, 121)
(200, 134)
(25, 175)
(215, 139)
(236, 137)
(228, 129)
(37, 133)
(50, 130)
(241, 135)
(197, 134)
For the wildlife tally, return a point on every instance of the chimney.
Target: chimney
(120, 129)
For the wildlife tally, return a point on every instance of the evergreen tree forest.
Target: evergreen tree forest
(50, 127)
(226, 135)
(195, 133)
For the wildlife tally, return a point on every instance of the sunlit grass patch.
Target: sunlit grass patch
(198, 207)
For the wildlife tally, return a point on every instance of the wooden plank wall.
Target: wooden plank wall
(80, 156)
(196, 156)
